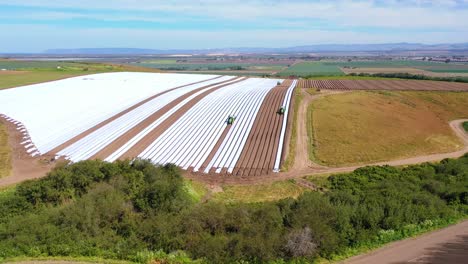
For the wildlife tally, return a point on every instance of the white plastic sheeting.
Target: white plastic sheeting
(86, 147)
(188, 142)
(56, 111)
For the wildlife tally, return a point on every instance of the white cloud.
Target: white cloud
(392, 14)
(46, 37)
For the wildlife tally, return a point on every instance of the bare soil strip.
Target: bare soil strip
(448, 245)
(155, 133)
(120, 141)
(409, 85)
(105, 122)
(24, 167)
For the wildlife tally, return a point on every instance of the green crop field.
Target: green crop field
(314, 68)
(18, 73)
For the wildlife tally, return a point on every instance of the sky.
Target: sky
(37, 25)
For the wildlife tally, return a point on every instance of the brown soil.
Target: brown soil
(402, 85)
(448, 245)
(24, 167)
(120, 141)
(105, 122)
(402, 70)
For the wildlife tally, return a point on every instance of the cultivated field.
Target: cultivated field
(363, 127)
(312, 69)
(166, 118)
(392, 85)
(16, 73)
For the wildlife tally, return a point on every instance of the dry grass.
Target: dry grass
(361, 127)
(5, 156)
(259, 193)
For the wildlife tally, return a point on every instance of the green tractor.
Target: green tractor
(230, 120)
(281, 110)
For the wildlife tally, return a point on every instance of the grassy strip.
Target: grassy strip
(289, 161)
(259, 192)
(465, 126)
(311, 134)
(388, 236)
(195, 189)
(5, 152)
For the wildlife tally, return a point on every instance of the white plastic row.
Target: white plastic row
(86, 147)
(189, 141)
(132, 142)
(286, 104)
(57, 111)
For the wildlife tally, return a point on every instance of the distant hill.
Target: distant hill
(298, 49)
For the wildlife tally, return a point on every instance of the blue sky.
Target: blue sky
(36, 25)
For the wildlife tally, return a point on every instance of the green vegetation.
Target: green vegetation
(465, 126)
(5, 155)
(31, 72)
(314, 68)
(258, 192)
(137, 212)
(363, 127)
(290, 158)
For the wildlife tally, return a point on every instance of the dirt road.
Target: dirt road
(448, 245)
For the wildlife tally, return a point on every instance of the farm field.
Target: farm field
(363, 127)
(382, 84)
(18, 73)
(170, 118)
(255, 67)
(312, 69)
(415, 71)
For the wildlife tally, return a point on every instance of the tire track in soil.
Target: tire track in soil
(107, 121)
(120, 141)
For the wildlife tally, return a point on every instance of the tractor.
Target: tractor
(230, 120)
(281, 111)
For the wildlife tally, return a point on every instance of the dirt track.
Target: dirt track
(448, 245)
